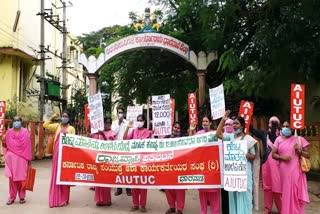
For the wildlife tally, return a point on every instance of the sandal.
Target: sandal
(143, 210)
(22, 201)
(171, 210)
(134, 208)
(9, 202)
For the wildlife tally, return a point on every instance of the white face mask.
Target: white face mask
(120, 115)
(140, 124)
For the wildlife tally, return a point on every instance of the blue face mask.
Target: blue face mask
(64, 120)
(286, 131)
(17, 124)
(238, 131)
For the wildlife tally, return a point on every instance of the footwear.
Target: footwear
(118, 192)
(9, 202)
(171, 210)
(134, 208)
(22, 201)
(179, 212)
(100, 204)
(108, 204)
(143, 210)
(129, 194)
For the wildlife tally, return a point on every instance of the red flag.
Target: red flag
(86, 115)
(192, 108)
(297, 106)
(172, 106)
(2, 116)
(246, 111)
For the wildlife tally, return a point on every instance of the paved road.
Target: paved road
(82, 199)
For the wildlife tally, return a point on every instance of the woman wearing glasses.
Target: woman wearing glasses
(139, 196)
(17, 155)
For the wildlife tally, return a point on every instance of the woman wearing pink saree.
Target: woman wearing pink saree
(58, 194)
(102, 195)
(17, 155)
(139, 196)
(288, 149)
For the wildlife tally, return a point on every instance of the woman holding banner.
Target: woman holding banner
(270, 168)
(205, 195)
(139, 196)
(102, 195)
(175, 197)
(287, 150)
(240, 202)
(17, 155)
(58, 194)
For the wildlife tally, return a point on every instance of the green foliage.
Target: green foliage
(12, 107)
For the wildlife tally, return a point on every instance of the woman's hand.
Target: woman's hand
(130, 124)
(193, 126)
(285, 157)
(55, 116)
(226, 115)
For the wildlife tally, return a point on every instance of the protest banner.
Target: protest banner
(2, 116)
(188, 162)
(86, 115)
(217, 103)
(161, 115)
(246, 111)
(133, 112)
(297, 106)
(172, 106)
(192, 108)
(96, 113)
(235, 166)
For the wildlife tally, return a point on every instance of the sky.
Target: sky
(86, 16)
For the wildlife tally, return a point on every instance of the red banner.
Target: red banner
(172, 107)
(2, 116)
(297, 106)
(86, 115)
(192, 108)
(188, 162)
(246, 111)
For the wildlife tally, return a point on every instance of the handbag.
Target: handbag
(28, 184)
(305, 163)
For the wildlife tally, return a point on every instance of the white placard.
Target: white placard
(235, 165)
(217, 103)
(161, 115)
(133, 112)
(96, 113)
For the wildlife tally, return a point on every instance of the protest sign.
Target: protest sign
(172, 106)
(235, 166)
(86, 115)
(246, 111)
(2, 116)
(96, 113)
(297, 106)
(188, 162)
(217, 103)
(161, 115)
(192, 108)
(133, 112)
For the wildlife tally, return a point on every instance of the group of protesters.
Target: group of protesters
(282, 178)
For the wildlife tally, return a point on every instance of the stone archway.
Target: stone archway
(149, 40)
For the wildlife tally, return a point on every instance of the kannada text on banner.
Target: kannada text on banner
(235, 166)
(187, 162)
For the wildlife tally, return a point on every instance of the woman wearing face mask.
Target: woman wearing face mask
(17, 155)
(270, 168)
(175, 197)
(287, 150)
(102, 195)
(139, 196)
(240, 202)
(58, 194)
(205, 195)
